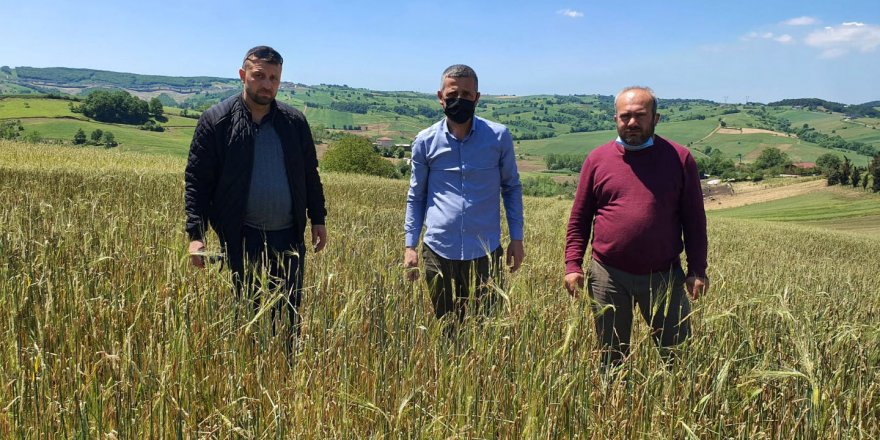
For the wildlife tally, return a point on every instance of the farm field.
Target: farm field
(853, 130)
(750, 145)
(109, 333)
(831, 208)
(540, 124)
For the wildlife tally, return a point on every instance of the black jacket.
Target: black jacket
(221, 157)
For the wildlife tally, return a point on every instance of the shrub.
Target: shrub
(355, 154)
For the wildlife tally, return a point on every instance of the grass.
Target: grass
(15, 108)
(686, 132)
(574, 143)
(52, 119)
(582, 143)
(832, 206)
(828, 122)
(750, 146)
(109, 333)
(174, 141)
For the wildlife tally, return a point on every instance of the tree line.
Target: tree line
(844, 173)
(771, 161)
(865, 110)
(71, 76)
(97, 137)
(118, 106)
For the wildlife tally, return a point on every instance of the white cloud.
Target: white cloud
(801, 21)
(784, 39)
(571, 13)
(836, 41)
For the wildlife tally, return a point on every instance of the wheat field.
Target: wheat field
(108, 333)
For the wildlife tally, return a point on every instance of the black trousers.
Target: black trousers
(272, 261)
(450, 281)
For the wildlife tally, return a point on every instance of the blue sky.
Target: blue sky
(724, 51)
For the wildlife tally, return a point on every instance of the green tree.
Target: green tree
(33, 137)
(355, 154)
(156, 108)
(856, 175)
(109, 140)
(875, 173)
(96, 136)
(319, 133)
(772, 157)
(828, 162)
(116, 106)
(10, 129)
(716, 164)
(80, 137)
(845, 171)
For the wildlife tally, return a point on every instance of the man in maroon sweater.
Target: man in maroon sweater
(640, 195)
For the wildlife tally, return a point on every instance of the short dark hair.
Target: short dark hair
(262, 53)
(460, 71)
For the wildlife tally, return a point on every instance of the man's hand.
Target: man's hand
(697, 286)
(197, 247)
(319, 237)
(411, 263)
(574, 283)
(515, 255)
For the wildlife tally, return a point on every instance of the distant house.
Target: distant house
(384, 142)
(406, 147)
(804, 165)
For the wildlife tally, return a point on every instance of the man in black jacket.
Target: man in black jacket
(252, 175)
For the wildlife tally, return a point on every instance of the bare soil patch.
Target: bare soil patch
(749, 193)
(529, 165)
(320, 149)
(752, 131)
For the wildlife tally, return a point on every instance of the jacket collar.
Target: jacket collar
(246, 112)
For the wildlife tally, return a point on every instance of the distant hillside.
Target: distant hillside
(68, 77)
(540, 124)
(865, 110)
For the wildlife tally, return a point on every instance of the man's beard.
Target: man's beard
(262, 99)
(637, 138)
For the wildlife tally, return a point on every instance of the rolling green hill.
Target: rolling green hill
(541, 124)
(840, 209)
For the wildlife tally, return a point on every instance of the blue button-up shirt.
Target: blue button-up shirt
(456, 188)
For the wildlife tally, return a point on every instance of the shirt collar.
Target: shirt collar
(470, 133)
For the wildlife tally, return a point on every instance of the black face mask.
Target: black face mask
(460, 110)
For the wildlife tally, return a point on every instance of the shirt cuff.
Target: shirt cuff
(573, 267)
(516, 233)
(411, 240)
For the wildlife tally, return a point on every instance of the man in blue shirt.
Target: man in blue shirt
(462, 167)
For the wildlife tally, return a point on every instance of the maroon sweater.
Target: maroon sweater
(639, 204)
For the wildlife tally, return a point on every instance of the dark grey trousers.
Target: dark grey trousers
(660, 298)
(450, 281)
